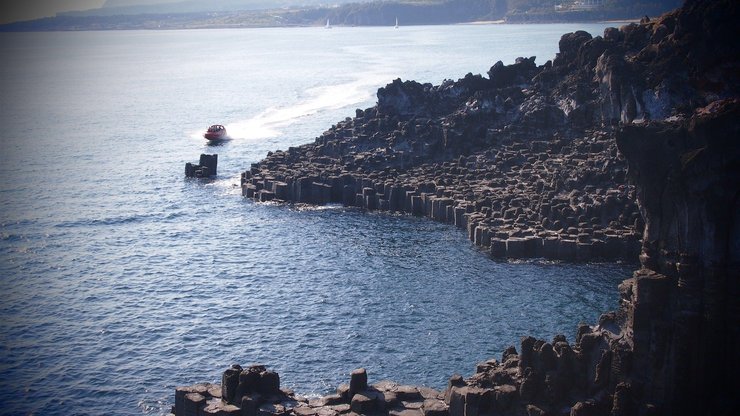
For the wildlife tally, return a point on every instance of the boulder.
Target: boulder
(363, 404)
(230, 382)
(358, 381)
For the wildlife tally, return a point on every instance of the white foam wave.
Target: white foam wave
(270, 122)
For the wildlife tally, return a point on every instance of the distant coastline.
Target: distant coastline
(373, 14)
(52, 25)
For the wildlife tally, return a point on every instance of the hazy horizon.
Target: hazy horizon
(15, 11)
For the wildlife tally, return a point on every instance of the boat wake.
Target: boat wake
(272, 121)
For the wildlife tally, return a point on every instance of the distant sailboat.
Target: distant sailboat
(328, 26)
(396, 23)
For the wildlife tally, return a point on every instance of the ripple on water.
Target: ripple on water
(121, 280)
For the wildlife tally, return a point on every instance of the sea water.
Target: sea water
(121, 279)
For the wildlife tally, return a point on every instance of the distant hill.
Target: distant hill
(412, 12)
(134, 7)
(420, 12)
(535, 11)
(173, 14)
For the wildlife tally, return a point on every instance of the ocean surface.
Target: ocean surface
(120, 279)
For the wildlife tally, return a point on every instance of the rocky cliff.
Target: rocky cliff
(685, 328)
(534, 161)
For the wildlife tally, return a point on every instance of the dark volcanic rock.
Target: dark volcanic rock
(358, 381)
(520, 73)
(536, 183)
(685, 313)
(525, 160)
(534, 161)
(569, 45)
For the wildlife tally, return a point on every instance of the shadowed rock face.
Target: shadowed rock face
(688, 181)
(532, 161)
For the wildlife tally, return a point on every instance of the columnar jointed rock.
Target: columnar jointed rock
(541, 379)
(524, 160)
(684, 308)
(508, 163)
(358, 381)
(555, 198)
(243, 392)
(206, 168)
(253, 391)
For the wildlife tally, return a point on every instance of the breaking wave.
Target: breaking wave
(270, 122)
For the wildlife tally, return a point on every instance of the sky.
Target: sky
(17, 10)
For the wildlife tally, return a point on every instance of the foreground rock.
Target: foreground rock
(666, 93)
(255, 391)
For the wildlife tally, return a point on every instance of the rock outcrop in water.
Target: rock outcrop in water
(206, 168)
(534, 156)
(254, 391)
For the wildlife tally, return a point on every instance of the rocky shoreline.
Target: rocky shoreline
(626, 135)
(555, 199)
(508, 158)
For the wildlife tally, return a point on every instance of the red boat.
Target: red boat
(215, 132)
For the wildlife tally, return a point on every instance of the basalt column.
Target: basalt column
(688, 180)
